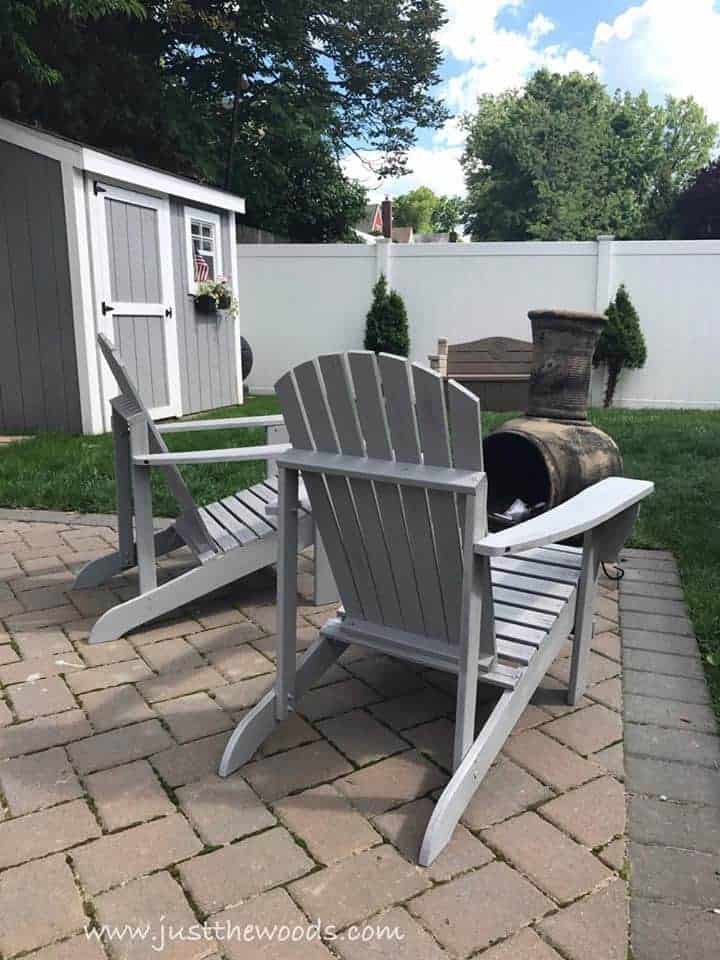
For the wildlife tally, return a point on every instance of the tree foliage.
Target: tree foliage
(621, 344)
(324, 76)
(425, 211)
(448, 214)
(565, 160)
(386, 327)
(415, 209)
(697, 213)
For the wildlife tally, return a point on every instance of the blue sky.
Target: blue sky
(662, 46)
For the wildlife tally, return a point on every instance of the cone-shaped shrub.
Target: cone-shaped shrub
(621, 344)
(386, 327)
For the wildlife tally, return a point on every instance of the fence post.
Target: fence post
(603, 283)
(603, 295)
(383, 258)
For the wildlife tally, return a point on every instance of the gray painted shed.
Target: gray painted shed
(91, 243)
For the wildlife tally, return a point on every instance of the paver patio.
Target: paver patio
(112, 812)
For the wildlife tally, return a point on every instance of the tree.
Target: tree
(323, 76)
(697, 212)
(415, 209)
(19, 21)
(448, 214)
(621, 344)
(386, 327)
(565, 160)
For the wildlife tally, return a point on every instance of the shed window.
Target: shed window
(203, 247)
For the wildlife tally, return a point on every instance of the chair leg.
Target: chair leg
(181, 590)
(257, 725)
(466, 779)
(105, 568)
(583, 631)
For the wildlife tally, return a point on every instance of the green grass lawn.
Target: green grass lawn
(679, 450)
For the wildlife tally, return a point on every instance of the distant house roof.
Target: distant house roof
(371, 222)
(84, 157)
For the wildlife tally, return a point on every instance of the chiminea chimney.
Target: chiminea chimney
(386, 210)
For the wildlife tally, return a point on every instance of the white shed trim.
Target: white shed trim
(115, 168)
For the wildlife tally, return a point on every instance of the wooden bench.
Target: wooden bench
(496, 369)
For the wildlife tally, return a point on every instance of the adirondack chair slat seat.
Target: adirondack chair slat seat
(228, 539)
(391, 461)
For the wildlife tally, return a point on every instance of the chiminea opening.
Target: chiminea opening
(541, 459)
(516, 471)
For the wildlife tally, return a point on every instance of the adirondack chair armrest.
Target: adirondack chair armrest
(589, 509)
(234, 423)
(228, 455)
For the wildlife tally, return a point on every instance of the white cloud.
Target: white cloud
(435, 167)
(500, 58)
(664, 47)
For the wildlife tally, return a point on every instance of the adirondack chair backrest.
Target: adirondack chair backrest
(132, 404)
(395, 549)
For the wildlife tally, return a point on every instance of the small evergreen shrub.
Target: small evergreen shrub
(622, 344)
(386, 326)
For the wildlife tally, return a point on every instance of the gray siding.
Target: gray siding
(38, 366)
(141, 341)
(206, 344)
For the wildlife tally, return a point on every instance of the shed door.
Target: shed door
(133, 253)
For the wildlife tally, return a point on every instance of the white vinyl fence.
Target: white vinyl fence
(298, 301)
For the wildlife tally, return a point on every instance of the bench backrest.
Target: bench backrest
(395, 549)
(194, 528)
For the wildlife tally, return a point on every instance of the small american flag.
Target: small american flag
(202, 271)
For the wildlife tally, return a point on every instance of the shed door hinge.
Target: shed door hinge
(168, 311)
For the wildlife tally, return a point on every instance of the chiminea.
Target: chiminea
(537, 461)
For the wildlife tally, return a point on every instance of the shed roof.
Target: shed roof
(104, 164)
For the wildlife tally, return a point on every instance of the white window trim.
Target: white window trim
(205, 216)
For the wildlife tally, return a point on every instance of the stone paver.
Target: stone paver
(594, 928)
(360, 737)
(46, 832)
(117, 707)
(525, 945)
(193, 717)
(109, 754)
(38, 698)
(416, 943)
(39, 903)
(592, 814)
(506, 791)
(671, 933)
(240, 871)
(268, 910)
(588, 730)
(127, 795)
(391, 782)
(349, 891)
(553, 861)
(326, 823)
(451, 913)
(550, 762)
(274, 777)
(151, 846)
(142, 903)
(118, 746)
(223, 810)
(405, 828)
(40, 780)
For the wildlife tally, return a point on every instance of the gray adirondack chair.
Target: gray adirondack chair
(393, 470)
(230, 538)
